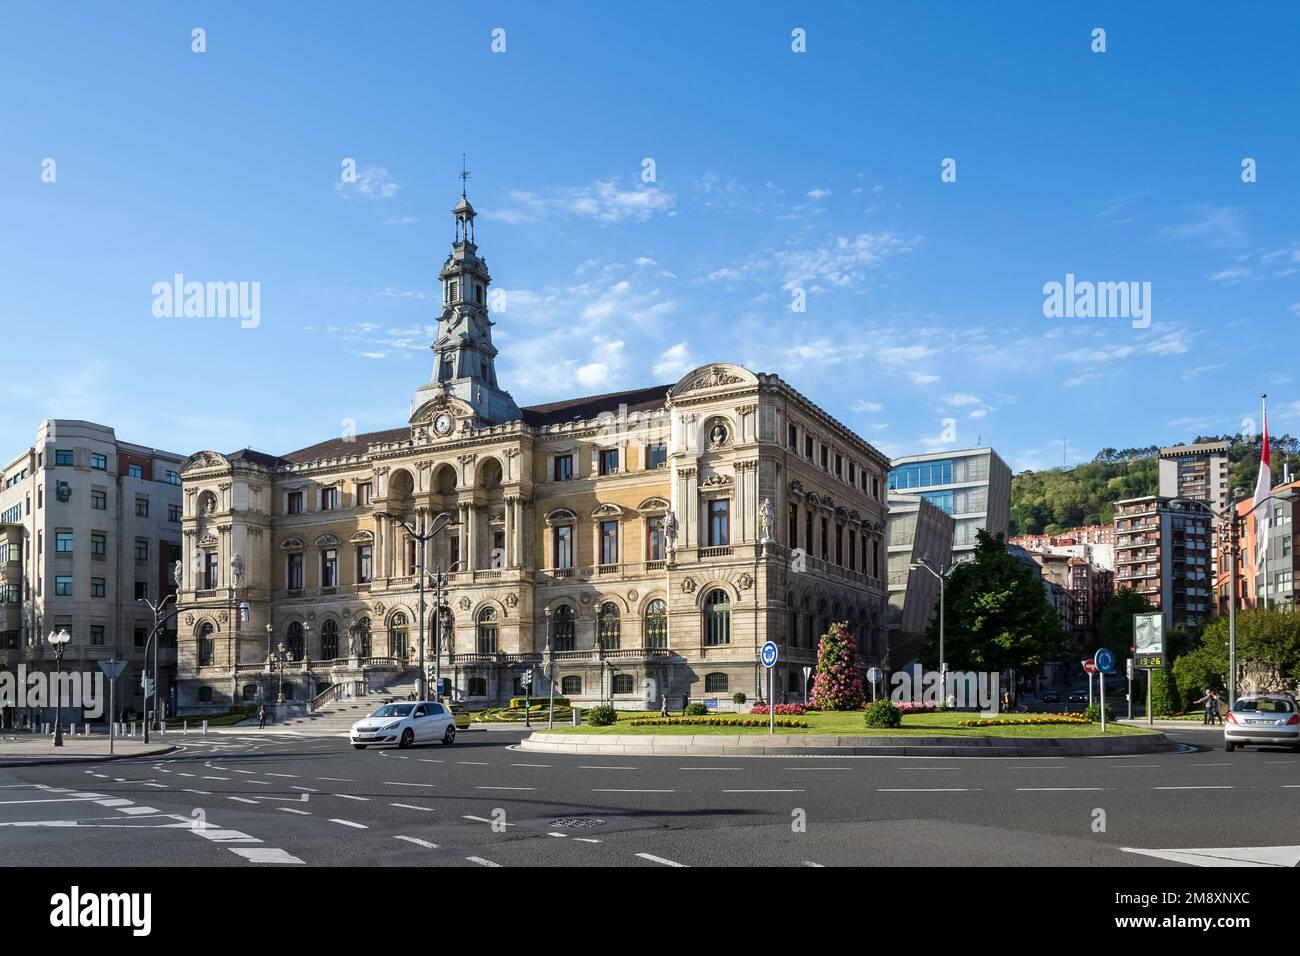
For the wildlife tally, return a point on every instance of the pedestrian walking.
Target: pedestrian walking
(663, 705)
(1211, 708)
(261, 717)
(1214, 709)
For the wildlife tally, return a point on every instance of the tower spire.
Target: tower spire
(464, 176)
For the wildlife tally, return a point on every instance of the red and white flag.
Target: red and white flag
(1263, 488)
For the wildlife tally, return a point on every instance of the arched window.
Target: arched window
(329, 640)
(249, 692)
(205, 647)
(397, 636)
(293, 641)
(717, 618)
(715, 683)
(571, 685)
(478, 687)
(487, 631)
(607, 626)
(655, 627)
(364, 638)
(562, 638)
(623, 684)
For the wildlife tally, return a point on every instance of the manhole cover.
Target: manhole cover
(577, 823)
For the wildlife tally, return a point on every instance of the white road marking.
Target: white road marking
(607, 790)
(55, 800)
(137, 810)
(1195, 788)
(931, 790)
(287, 776)
(474, 763)
(481, 862)
(586, 840)
(1288, 856)
(206, 793)
(607, 768)
(411, 806)
(306, 789)
(710, 768)
(820, 866)
(557, 834)
(1209, 765)
(242, 800)
(265, 854)
(398, 783)
(339, 779)
(264, 783)
(216, 778)
(1058, 789)
(349, 823)
(505, 788)
(764, 791)
(659, 859)
(235, 770)
(531, 765)
(301, 813)
(348, 796)
(430, 760)
(417, 841)
(114, 803)
(159, 786)
(484, 820)
(1134, 766)
(816, 768)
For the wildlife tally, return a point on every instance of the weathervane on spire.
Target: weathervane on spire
(464, 176)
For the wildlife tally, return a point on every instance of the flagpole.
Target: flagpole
(1268, 580)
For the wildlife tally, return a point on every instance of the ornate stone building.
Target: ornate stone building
(653, 539)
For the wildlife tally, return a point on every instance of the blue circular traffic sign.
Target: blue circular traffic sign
(768, 654)
(1105, 661)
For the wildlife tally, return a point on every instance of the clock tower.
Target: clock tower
(464, 364)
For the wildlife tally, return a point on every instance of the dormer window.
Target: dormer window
(478, 293)
(453, 290)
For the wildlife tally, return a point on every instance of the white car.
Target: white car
(405, 723)
(1269, 720)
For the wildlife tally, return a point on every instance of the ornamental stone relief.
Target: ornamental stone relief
(689, 585)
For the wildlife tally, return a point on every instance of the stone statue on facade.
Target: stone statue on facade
(237, 570)
(766, 519)
(670, 532)
(354, 648)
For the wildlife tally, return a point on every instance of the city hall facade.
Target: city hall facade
(633, 545)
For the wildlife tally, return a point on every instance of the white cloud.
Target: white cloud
(818, 193)
(923, 378)
(864, 406)
(373, 182)
(602, 200)
(963, 398)
(674, 362)
(1209, 225)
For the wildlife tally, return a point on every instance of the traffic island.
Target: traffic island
(37, 750)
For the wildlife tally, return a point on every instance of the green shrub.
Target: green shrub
(738, 698)
(695, 710)
(883, 713)
(1093, 712)
(517, 703)
(1165, 699)
(601, 716)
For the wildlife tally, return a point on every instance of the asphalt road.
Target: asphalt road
(269, 799)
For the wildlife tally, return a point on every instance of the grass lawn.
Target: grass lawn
(850, 722)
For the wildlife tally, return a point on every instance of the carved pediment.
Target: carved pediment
(208, 540)
(560, 516)
(362, 537)
(291, 544)
(713, 376)
(326, 541)
(607, 511)
(652, 506)
(204, 459)
(716, 480)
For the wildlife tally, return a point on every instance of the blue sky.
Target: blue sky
(775, 171)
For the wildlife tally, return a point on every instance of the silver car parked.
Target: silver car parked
(1269, 720)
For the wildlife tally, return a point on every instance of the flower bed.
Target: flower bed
(782, 710)
(1024, 722)
(712, 722)
(912, 707)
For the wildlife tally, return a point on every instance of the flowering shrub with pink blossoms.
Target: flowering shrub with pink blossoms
(838, 685)
(782, 710)
(914, 707)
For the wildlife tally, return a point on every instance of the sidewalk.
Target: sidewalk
(27, 750)
(1192, 725)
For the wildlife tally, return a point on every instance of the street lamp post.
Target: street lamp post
(550, 672)
(60, 640)
(440, 582)
(441, 522)
(159, 611)
(1235, 521)
(941, 577)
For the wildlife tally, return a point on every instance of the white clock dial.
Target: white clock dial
(442, 424)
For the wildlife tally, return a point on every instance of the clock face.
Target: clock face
(442, 424)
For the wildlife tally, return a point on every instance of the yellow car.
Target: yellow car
(460, 714)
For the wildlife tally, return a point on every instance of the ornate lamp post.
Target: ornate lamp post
(550, 671)
(276, 662)
(941, 577)
(59, 640)
(160, 611)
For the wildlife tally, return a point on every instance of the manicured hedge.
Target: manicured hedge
(517, 703)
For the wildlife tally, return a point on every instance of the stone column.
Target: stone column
(507, 559)
(471, 534)
(518, 546)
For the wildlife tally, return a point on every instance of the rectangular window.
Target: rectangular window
(211, 570)
(656, 455)
(363, 563)
(609, 461)
(141, 635)
(808, 447)
(839, 544)
(174, 514)
(793, 540)
(63, 585)
(875, 486)
(654, 531)
(99, 499)
(792, 436)
(63, 542)
(719, 522)
(853, 473)
(62, 457)
(173, 478)
(293, 503)
(99, 462)
(826, 538)
(853, 550)
(563, 467)
(98, 544)
(839, 465)
(12, 515)
(329, 568)
(875, 558)
(826, 453)
(98, 588)
(609, 542)
(141, 591)
(453, 551)
(293, 575)
(365, 491)
(329, 499)
(97, 635)
(141, 550)
(808, 531)
(562, 538)
(134, 471)
(141, 506)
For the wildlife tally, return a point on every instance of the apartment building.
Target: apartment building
(1198, 471)
(88, 524)
(1162, 551)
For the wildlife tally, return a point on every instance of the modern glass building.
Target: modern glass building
(973, 485)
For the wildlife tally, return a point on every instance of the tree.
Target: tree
(1268, 642)
(1115, 626)
(997, 614)
(838, 684)
(1165, 699)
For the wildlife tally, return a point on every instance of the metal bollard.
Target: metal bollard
(163, 726)
(577, 716)
(205, 728)
(185, 726)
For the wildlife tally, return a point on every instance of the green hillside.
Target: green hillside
(1052, 501)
